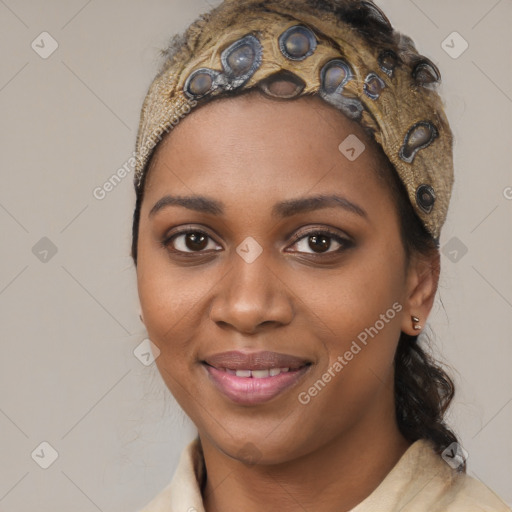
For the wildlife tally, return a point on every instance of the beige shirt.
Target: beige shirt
(421, 481)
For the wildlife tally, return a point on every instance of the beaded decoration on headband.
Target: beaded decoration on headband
(348, 54)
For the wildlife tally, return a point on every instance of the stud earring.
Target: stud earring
(141, 319)
(415, 321)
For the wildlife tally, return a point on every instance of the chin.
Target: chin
(263, 445)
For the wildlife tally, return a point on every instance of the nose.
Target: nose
(251, 297)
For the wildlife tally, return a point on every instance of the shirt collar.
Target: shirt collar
(419, 472)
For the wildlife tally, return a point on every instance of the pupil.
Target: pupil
(195, 241)
(322, 241)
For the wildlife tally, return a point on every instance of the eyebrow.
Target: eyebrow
(282, 209)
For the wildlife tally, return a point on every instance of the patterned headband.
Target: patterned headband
(344, 51)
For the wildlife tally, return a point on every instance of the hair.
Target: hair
(423, 390)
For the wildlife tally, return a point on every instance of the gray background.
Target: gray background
(68, 374)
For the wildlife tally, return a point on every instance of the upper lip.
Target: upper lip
(236, 360)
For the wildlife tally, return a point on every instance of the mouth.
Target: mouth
(255, 374)
(254, 378)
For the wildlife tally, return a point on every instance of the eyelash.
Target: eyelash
(345, 243)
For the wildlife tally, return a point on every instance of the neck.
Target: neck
(335, 477)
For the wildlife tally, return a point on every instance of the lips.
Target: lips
(266, 360)
(254, 378)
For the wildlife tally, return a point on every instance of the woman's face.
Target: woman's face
(263, 246)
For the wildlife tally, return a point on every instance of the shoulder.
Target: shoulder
(466, 493)
(183, 493)
(422, 481)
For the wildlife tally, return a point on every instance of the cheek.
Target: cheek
(345, 302)
(168, 306)
(175, 305)
(165, 296)
(358, 312)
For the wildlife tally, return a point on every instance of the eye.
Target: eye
(321, 242)
(190, 241)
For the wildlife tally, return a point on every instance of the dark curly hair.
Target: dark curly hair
(423, 390)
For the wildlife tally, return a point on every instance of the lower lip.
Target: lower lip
(250, 390)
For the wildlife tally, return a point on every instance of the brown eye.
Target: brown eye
(319, 242)
(190, 242)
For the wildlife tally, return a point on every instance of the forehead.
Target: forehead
(266, 147)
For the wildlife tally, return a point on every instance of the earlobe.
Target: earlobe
(422, 283)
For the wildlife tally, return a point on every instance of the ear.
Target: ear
(421, 287)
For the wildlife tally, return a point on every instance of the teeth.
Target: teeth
(260, 374)
(257, 374)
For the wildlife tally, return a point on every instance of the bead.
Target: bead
(426, 72)
(418, 137)
(200, 82)
(388, 61)
(373, 86)
(297, 43)
(240, 60)
(425, 198)
(282, 84)
(334, 75)
(351, 107)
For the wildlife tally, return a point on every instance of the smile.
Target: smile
(254, 378)
(257, 374)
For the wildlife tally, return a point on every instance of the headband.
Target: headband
(344, 51)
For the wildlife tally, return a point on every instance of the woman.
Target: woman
(294, 172)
